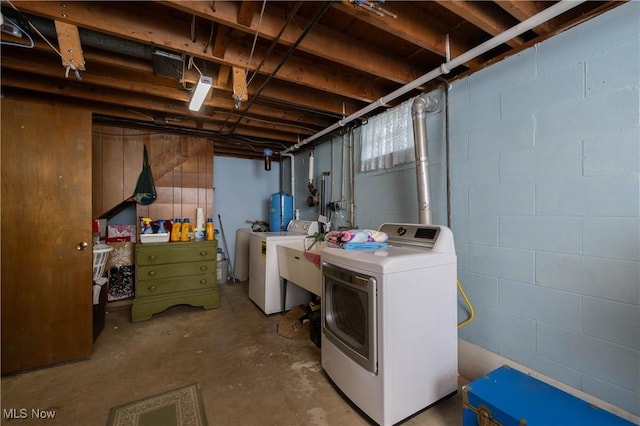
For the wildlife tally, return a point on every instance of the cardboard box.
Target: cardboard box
(121, 233)
(99, 229)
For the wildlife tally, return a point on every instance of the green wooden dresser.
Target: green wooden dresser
(176, 273)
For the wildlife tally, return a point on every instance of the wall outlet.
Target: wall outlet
(334, 206)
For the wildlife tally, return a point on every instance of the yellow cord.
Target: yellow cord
(472, 313)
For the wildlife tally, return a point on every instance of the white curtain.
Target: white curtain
(387, 139)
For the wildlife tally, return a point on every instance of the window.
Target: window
(387, 139)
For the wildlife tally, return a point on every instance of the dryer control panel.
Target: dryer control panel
(436, 237)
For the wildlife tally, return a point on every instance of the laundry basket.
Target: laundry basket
(100, 256)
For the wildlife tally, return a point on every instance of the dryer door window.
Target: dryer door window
(349, 314)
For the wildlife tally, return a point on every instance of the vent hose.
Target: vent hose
(421, 105)
(419, 109)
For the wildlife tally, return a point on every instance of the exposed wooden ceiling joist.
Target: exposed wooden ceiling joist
(344, 58)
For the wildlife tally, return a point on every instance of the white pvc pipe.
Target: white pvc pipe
(293, 178)
(524, 26)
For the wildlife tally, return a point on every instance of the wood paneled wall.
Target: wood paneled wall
(182, 168)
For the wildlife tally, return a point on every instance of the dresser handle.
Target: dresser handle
(203, 268)
(152, 273)
(153, 257)
(203, 253)
(152, 288)
(203, 281)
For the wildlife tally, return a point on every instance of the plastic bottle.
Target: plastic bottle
(210, 232)
(187, 230)
(175, 230)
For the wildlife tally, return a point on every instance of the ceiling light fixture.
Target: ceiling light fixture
(200, 92)
(202, 88)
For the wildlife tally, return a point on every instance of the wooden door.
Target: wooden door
(45, 214)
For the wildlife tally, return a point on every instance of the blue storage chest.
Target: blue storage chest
(509, 397)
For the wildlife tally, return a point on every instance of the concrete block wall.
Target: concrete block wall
(545, 175)
(391, 195)
(242, 192)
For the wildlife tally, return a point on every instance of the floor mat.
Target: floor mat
(178, 407)
(294, 324)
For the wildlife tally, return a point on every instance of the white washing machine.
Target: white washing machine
(264, 279)
(389, 322)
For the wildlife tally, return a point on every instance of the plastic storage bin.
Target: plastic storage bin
(221, 271)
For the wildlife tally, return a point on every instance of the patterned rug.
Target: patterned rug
(178, 407)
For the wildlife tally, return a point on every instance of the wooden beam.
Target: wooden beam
(223, 76)
(135, 24)
(220, 42)
(477, 14)
(79, 90)
(344, 50)
(523, 10)
(413, 26)
(69, 46)
(240, 84)
(313, 75)
(157, 87)
(246, 11)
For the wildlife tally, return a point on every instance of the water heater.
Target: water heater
(280, 212)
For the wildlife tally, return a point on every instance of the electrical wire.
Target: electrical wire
(238, 98)
(68, 65)
(472, 313)
(253, 46)
(282, 61)
(16, 26)
(292, 14)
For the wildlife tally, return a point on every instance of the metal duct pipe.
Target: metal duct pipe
(323, 198)
(98, 40)
(323, 193)
(524, 26)
(419, 109)
(352, 197)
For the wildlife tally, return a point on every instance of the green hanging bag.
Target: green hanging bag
(145, 192)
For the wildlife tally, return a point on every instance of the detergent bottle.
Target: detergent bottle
(210, 232)
(186, 233)
(175, 230)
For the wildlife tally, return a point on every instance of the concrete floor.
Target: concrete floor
(249, 375)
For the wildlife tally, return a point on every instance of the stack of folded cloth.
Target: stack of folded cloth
(357, 239)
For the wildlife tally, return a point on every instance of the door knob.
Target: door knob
(82, 246)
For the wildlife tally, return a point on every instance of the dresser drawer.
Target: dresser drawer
(160, 253)
(169, 274)
(174, 285)
(169, 270)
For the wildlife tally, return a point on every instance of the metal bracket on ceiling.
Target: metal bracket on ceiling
(374, 7)
(75, 71)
